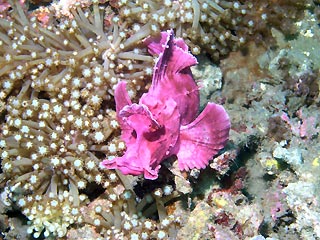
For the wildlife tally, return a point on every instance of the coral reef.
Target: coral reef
(276, 124)
(216, 27)
(57, 81)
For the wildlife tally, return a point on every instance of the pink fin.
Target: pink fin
(122, 99)
(121, 96)
(172, 76)
(203, 138)
(156, 45)
(124, 164)
(151, 174)
(172, 60)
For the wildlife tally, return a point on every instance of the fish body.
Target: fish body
(165, 122)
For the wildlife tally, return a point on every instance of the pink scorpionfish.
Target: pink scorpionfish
(165, 122)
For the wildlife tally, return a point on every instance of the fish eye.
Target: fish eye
(134, 134)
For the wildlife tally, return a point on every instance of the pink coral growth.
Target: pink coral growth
(305, 126)
(165, 122)
(5, 7)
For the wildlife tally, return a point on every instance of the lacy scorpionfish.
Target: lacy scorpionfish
(165, 122)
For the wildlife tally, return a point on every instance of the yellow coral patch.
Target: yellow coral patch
(270, 163)
(315, 162)
(220, 202)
